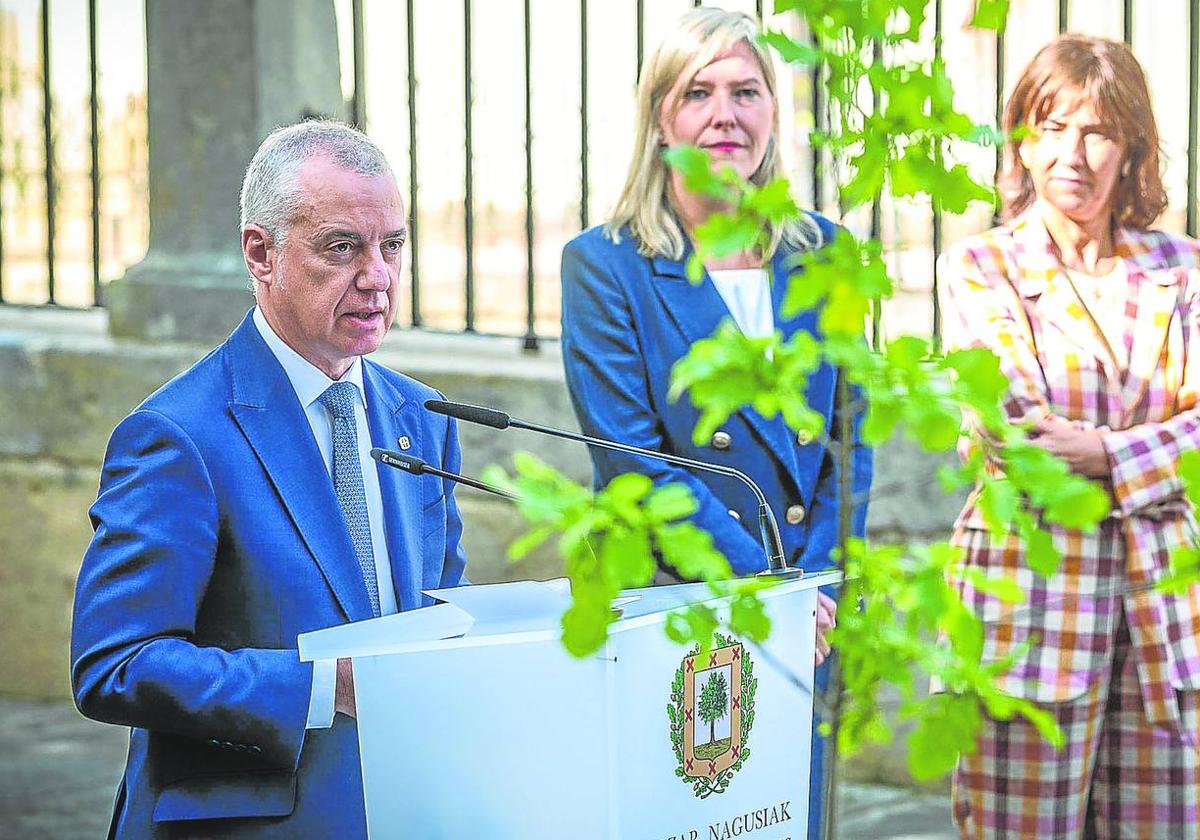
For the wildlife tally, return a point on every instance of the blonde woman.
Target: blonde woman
(629, 312)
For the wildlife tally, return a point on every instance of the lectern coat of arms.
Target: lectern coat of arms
(711, 713)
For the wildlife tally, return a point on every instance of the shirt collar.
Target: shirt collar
(307, 379)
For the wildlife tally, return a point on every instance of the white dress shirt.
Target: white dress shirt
(747, 294)
(309, 383)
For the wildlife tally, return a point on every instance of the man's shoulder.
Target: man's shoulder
(195, 394)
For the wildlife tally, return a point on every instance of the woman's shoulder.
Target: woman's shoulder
(827, 227)
(603, 240)
(1160, 248)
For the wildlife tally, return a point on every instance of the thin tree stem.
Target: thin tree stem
(844, 453)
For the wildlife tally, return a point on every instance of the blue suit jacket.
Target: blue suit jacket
(218, 539)
(626, 320)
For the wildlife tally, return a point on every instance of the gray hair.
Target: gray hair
(270, 192)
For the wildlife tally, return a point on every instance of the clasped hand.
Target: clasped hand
(1082, 449)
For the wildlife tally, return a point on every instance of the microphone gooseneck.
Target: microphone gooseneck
(768, 526)
(416, 466)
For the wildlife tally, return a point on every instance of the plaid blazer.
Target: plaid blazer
(1012, 296)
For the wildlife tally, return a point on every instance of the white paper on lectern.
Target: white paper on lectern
(515, 607)
(512, 607)
(383, 635)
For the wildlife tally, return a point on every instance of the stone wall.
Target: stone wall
(65, 382)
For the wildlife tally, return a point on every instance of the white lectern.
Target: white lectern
(474, 722)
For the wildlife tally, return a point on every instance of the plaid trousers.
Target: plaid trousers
(1116, 776)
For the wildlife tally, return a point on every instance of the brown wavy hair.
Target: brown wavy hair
(1107, 75)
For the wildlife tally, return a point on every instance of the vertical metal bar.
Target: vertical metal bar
(936, 338)
(413, 212)
(3, 82)
(94, 114)
(49, 151)
(641, 36)
(583, 116)
(758, 10)
(818, 106)
(359, 103)
(696, 3)
(1193, 81)
(1127, 22)
(1064, 16)
(999, 112)
(876, 215)
(531, 339)
(469, 163)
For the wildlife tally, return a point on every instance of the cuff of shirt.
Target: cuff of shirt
(320, 702)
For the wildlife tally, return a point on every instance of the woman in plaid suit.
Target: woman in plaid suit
(1096, 320)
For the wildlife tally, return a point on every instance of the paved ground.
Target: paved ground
(58, 773)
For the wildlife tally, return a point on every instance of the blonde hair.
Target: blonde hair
(703, 34)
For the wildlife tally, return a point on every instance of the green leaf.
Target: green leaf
(694, 624)
(698, 176)
(627, 558)
(990, 14)
(748, 617)
(1006, 589)
(1040, 553)
(964, 632)
(946, 727)
(1189, 474)
(670, 502)
(791, 51)
(1184, 570)
(880, 421)
(722, 234)
(997, 502)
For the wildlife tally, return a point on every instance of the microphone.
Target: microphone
(412, 464)
(768, 527)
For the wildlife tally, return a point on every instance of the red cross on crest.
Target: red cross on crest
(712, 659)
(737, 652)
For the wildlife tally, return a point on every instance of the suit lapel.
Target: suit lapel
(1044, 281)
(697, 311)
(265, 407)
(388, 415)
(783, 274)
(1154, 294)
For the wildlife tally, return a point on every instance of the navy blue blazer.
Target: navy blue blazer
(626, 320)
(218, 539)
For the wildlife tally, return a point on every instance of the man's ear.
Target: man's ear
(260, 252)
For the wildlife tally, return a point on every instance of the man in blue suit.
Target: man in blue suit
(239, 507)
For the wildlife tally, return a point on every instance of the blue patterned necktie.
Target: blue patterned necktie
(338, 400)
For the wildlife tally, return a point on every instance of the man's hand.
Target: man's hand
(343, 693)
(826, 619)
(1082, 449)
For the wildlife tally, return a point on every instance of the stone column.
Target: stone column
(221, 75)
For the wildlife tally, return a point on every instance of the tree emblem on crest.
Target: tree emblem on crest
(711, 713)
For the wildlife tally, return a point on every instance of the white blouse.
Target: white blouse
(747, 294)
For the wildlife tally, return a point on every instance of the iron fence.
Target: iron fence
(539, 287)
